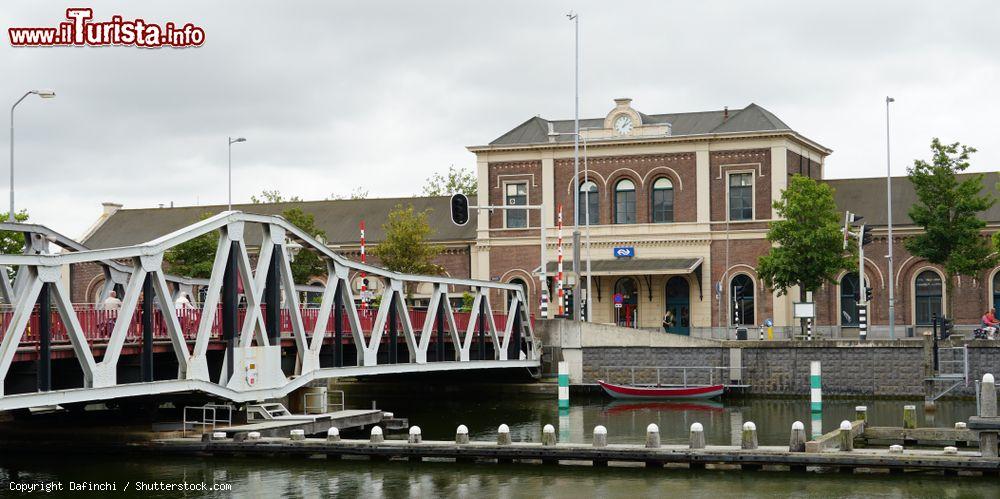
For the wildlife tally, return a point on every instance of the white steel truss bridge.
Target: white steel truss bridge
(235, 345)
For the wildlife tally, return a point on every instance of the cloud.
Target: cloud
(335, 95)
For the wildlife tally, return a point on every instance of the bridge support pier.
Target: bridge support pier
(439, 347)
(146, 359)
(44, 339)
(230, 299)
(338, 327)
(272, 297)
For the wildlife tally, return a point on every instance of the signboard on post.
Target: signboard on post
(804, 310)
(624, 252)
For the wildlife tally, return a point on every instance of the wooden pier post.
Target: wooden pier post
(548, 435)
(797, 440)
(503, 435)
(415, 436)
(652, 436)
(749, 436)
(988, 409)
(600, 436)
(697, 436)
(462, 435)
(846, 439)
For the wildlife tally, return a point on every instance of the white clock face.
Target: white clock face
(623, 125)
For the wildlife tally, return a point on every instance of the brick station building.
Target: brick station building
(687, 195)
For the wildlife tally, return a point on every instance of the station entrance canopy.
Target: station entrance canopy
(635, 266)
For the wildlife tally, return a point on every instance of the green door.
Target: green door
(678, 306)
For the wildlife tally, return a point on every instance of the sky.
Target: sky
(335, 96)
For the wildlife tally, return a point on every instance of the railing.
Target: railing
(98, 323)
(208, 416)
(684, 380)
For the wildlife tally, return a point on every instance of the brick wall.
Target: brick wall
(529, 172)
(758, 160)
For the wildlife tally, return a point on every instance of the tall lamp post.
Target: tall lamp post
(888, 197)
(231, 142)
(45, 94)
(576, 166)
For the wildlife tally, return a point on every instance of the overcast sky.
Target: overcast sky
(335, 95)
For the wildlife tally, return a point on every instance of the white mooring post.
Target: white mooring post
(563, 385)
(846, 439)
(749, 437)
(253, 435)
(297, 435)
(697, 437)
(333, 434)
(376, 437)
(988, 409)
(600, 436)
(652, 436)
(797, 440)
(503, 435)
(415, 437)
(462, 435)
(548, 435)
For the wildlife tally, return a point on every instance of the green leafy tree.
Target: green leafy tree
(274, 196)
(307, 263)
(358, 193)
(406, 248)
(948, 210)
(808, 240)
(457, 180)
(194, 258)
(11, 242)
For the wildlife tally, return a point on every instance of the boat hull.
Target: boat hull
(661, 392)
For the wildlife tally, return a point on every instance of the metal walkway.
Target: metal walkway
(251, 368)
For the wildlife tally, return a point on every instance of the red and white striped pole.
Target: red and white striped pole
(559, 265)
(364, 287)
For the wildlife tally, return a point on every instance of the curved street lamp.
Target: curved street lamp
(231, 142)
(45, 94)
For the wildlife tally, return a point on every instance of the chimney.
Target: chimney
(725, 113)
(110, 208)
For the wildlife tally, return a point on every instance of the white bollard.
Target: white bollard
(961, 425)
(988, 440)
(253, 435)
(895, 449)
(333, 434)
(218, 435)
(846, 439)
(696, 439)
(950, 451)
(548, 435)
(377, 436)
(415, 437)
(503, 435)
(797, 440)
(600, 436)
(749, 436)
(652, 436)
(297, 435)
(462, 435)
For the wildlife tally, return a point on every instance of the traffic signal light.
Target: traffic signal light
(946, 327)
(868, 294)
(866, 235)
(459, 209)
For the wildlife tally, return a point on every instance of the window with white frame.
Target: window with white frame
(741, 196)
(516, 194)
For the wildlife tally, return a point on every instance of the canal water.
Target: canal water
(482, 410)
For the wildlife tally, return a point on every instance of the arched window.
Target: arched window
(625, 202)
(663, 200)
(927, 296)
(849, 299)
(996, 290)
(741, 291)
(510, 294)
(589, 203)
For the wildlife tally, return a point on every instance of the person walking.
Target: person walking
(668, 320)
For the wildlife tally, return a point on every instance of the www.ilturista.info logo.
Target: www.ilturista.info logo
(81, 31)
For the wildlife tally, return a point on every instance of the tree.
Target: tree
(457, 180)
(194, 258)
(307, 263)
(274, 196)
(808, 240)
(12, 242)
(405, 248)
(948, 211)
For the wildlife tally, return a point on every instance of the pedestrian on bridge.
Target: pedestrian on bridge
(112, 303)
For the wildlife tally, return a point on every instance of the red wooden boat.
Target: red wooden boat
(662, 392)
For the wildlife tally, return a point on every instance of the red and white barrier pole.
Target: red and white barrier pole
(559, 265)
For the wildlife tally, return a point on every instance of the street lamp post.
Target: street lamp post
(888, 197)
(231, 142)
(576, 167)
(45, 94)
